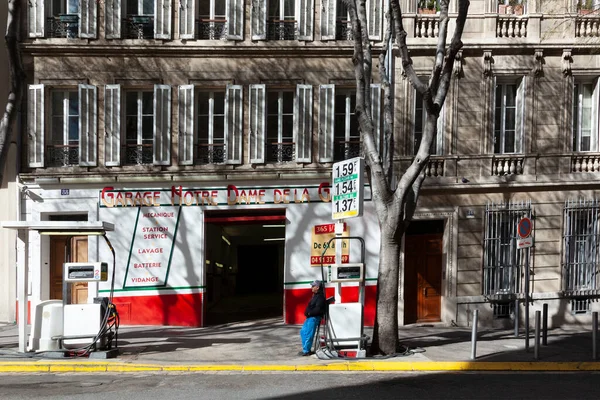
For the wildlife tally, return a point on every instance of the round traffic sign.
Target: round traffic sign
(524, 227)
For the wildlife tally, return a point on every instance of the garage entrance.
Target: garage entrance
(244, 261)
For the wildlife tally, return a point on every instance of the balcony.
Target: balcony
(211, 29)
(138, 27)
(282, 30)
(215, 153)
(504, 165)
(343, 150)
(343, 30)
(281, 152)
(511, 26)
(62, 155)
(587, 25)
(435, 167)
(63, 26)
(427, 26)
(138, 154)
(585, 163)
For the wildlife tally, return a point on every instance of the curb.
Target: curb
(86, 367)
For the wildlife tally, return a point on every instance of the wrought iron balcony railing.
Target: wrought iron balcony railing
(343, 150)
(211, 29)
(138, 154)
(138, 27)
(63, 26)
(281, 152)
(282, 30)
(62, 155)
(343, 30)
(215, 153)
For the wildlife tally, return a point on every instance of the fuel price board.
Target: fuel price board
(347, 188)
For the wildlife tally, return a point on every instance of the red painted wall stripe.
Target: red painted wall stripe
(166, 309)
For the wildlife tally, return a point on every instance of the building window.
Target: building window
(64, 142)
(508, 117)
(139, 19)
(581, 242)
(139, 121)
(420, 118)
(212, 23)
(211, 128)
(514, 7)
(280, 126)
(281, 23)
(502, 260)
(585, 116)
(347, 142)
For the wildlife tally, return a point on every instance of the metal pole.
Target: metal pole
(595, 335)
(526, 255)
(474, 335)
(536, 351)
(517, 318)
(545, 324)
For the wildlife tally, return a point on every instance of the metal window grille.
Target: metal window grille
(503, 310)
(580, 241)
(580, 306)
(503, 262)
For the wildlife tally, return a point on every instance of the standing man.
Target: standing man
(313, 313)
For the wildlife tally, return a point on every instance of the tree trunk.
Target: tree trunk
(385, 340)
(17, 77)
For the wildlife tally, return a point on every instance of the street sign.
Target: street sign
(524, 243)
(348, 188)
(524, 227)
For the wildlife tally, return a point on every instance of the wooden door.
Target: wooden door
(79, 253)
(423, 278)
(58, 256)
(67, 249)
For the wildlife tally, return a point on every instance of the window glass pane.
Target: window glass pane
(510, 119)
(219, 129)
(148, 128)
(203, 129)
(131, 129)
(273, 127)
(585, 143)
(288, 128)
(288, 102)
(203, 99)
(340, 104)
(57, 129)
(131, 103)
(132, 7)
(274, 9)
(273, 103)
(73, 130)
(340, 127)
(73, 103)
(72, 6)
(219, 8)
(148, 103)
(148, 7)
(219, 103)
(288, 9)
(509, 144)
(342, 10)
(204, 8)
(511, 95)
(57, 103)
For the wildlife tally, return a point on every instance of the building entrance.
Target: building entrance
(423, 271)
(244, 260)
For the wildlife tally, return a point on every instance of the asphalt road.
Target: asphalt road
(317, 385)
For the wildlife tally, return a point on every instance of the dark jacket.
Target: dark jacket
(316, 306)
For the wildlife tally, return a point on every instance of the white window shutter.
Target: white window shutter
(326, 122)
(37, 17)
(234, 123)
(162, 19)
(376, 114)
(439, 139)
(186, 125)
(112, 125)
(187, 19)
(595, 107)
(88, 14)
(328, 19)
(88, 128)
(305, 18)
(112, 19)
(162, 125)
(257, 119)
(35, 125)
(374, 19)
(303, 104)
(259, 19)
(520, 117)
(235, 19)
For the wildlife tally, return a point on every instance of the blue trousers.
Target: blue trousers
(307, 333)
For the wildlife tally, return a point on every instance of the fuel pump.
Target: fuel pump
(344, 323)
(85, 325)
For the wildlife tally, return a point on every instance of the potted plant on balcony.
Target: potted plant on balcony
(427, 6)
(585, 7)
(510, 7)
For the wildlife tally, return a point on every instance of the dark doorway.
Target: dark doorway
(244, 266)
(423, 254)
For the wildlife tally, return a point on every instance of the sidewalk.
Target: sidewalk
(269, 345)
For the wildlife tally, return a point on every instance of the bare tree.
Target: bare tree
(395, 206)
(17, 78)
